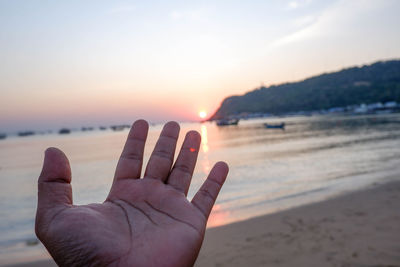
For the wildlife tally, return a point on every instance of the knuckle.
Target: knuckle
(132, 157)
(206, 194)
(164, 154)
(183, 168)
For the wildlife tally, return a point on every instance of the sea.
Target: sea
(312, 159)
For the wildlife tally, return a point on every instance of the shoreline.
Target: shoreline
(359, 228)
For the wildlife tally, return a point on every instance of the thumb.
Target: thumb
(54, 188)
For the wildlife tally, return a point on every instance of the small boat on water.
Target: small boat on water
(85, 129)
(275, 126)
(26, 133)
(64, 131)
(117, 128)
(226, 122)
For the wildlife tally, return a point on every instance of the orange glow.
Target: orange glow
(204, 139)
(202, 114)
(204, 145)
(218, 216)
(192, 149)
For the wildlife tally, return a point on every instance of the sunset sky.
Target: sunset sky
(76, 63)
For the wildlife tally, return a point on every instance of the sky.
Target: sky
(88, 63)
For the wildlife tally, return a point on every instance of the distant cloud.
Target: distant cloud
(293, 5)
(175, 15)
(304, 21)
(298, 3)
(306, 27)
(340, 15)
(304, 33)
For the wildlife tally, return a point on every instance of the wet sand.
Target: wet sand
(356, 229)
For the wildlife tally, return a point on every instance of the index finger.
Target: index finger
(131, 160)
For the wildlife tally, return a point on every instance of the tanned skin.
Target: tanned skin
(144, 221)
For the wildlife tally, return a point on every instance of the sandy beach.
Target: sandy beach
(356, 229)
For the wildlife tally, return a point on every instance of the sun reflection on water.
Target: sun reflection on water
(204, 139)
(205, 149)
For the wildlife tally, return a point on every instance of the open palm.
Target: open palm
(143, 222)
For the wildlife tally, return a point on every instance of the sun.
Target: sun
(202, 114)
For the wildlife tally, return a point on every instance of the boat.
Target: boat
(26, 133)
(275, 126)
(64, 131)
(84, 129)
(117, 127)
(226, 122)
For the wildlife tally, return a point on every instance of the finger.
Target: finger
(131, 160)
(205, 198)
(161, 159)
(54, 186)
(182, 172)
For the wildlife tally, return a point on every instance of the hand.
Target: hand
(143, 222)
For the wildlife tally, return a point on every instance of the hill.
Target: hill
(378, 82)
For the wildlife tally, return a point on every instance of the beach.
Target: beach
(357, 229)
(360, 228)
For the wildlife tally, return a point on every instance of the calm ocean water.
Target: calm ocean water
(270, 169)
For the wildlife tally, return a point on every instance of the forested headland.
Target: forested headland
(378, 82)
